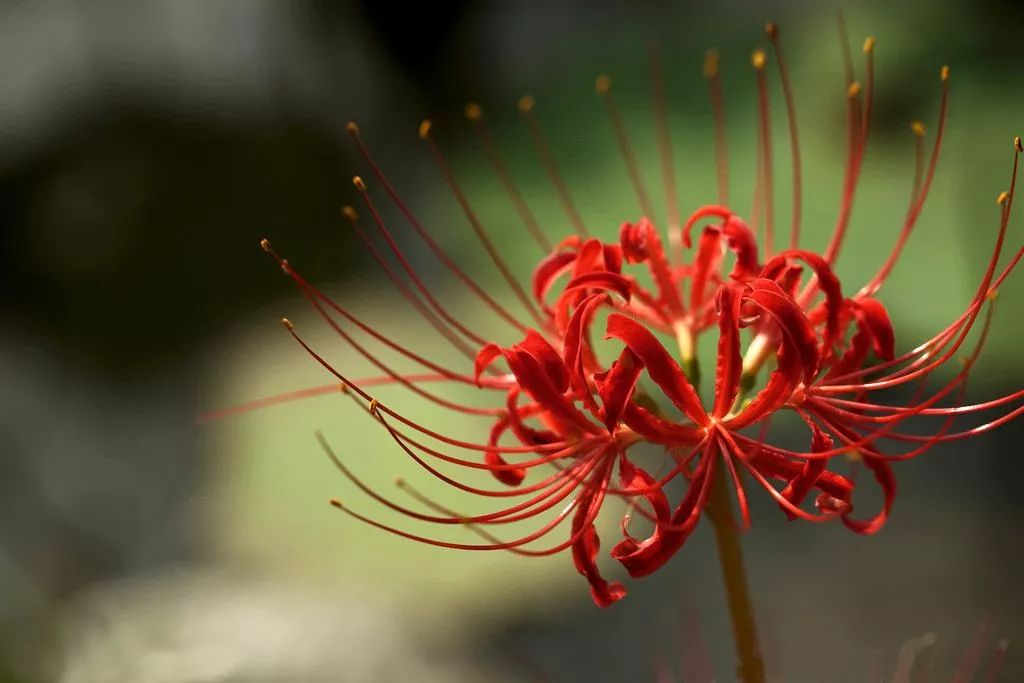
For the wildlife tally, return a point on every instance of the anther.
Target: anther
(526, 103)
(349, 213)
(602, 85)
(336, 503)
(758, 59)
(854, 90)
(399, 482)
(343, 388)
(771, 30)
(374, 407)
(424, 131)
(944, 73)
(473, 111)
(358, 182)
(711, 63)
(1003, 196)
(287, 324)
(869, 44)
(1017, 144)
(918, 128)
(992, 295)
(286, 267)
(352, 128)
(265, 244)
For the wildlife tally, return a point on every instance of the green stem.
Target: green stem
(730, 557)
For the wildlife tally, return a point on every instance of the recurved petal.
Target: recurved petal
(615, 387)
(662, 368)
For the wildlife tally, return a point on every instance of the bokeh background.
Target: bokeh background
(148, 145)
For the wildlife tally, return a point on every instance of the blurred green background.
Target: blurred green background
(148, 146)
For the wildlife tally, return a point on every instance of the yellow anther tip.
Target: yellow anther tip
(473, 111)
(918, 128)
(711, 63)
(944, 73)
(992, 295)
(771, 30)
(424, 130)
(854, 90)
(399, 482)
(1017, 144)
(352, 128)
(287, 324)
(358, 182)
(526, 103)
(265, 244)
(869, 44)
(1003, 196)
(758, 59)
(602, 85)
(349, 213)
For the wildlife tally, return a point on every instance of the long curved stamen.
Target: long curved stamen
(475, 114)
(403, 288)
(718, 109)
(772, 30)
(668, 167)
(912, 215)
(767, 163)
(540, 143)
(603, 88)
(423, 233)
(478, 228)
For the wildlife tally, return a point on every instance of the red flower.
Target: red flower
(563, 424)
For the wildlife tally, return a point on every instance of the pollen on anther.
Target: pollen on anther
(424, 131)
(473, 111)
(352, 128)
(854, 90)
(265, 244)
(711, 63)
(992, 295)
(374, 404)
(603, 85)
(349, 212)
(1003, 196)
(758, 59)
(869, 44)
(287, 324)
(1017, 144)
(526, 103)
(918, 128)
(342, 387)
(358, 182)
(336, 503)
(944, 73)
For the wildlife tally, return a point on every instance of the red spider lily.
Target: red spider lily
(561, 420)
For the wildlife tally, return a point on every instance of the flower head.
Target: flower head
(561, 418)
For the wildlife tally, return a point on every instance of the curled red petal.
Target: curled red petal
(875, 319)
(511, 477)
(662, 368)
(532, 379)
(706, 262)
(658, 430)
(886, 479)
(586, 547)
(484, 357)
(615, 387)
(633, 478)
(790, 319)
(743, 243)
(799, 486)
(827, 281)
(730, 361)
(545, 354)
(603, 280)
(549, 270)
